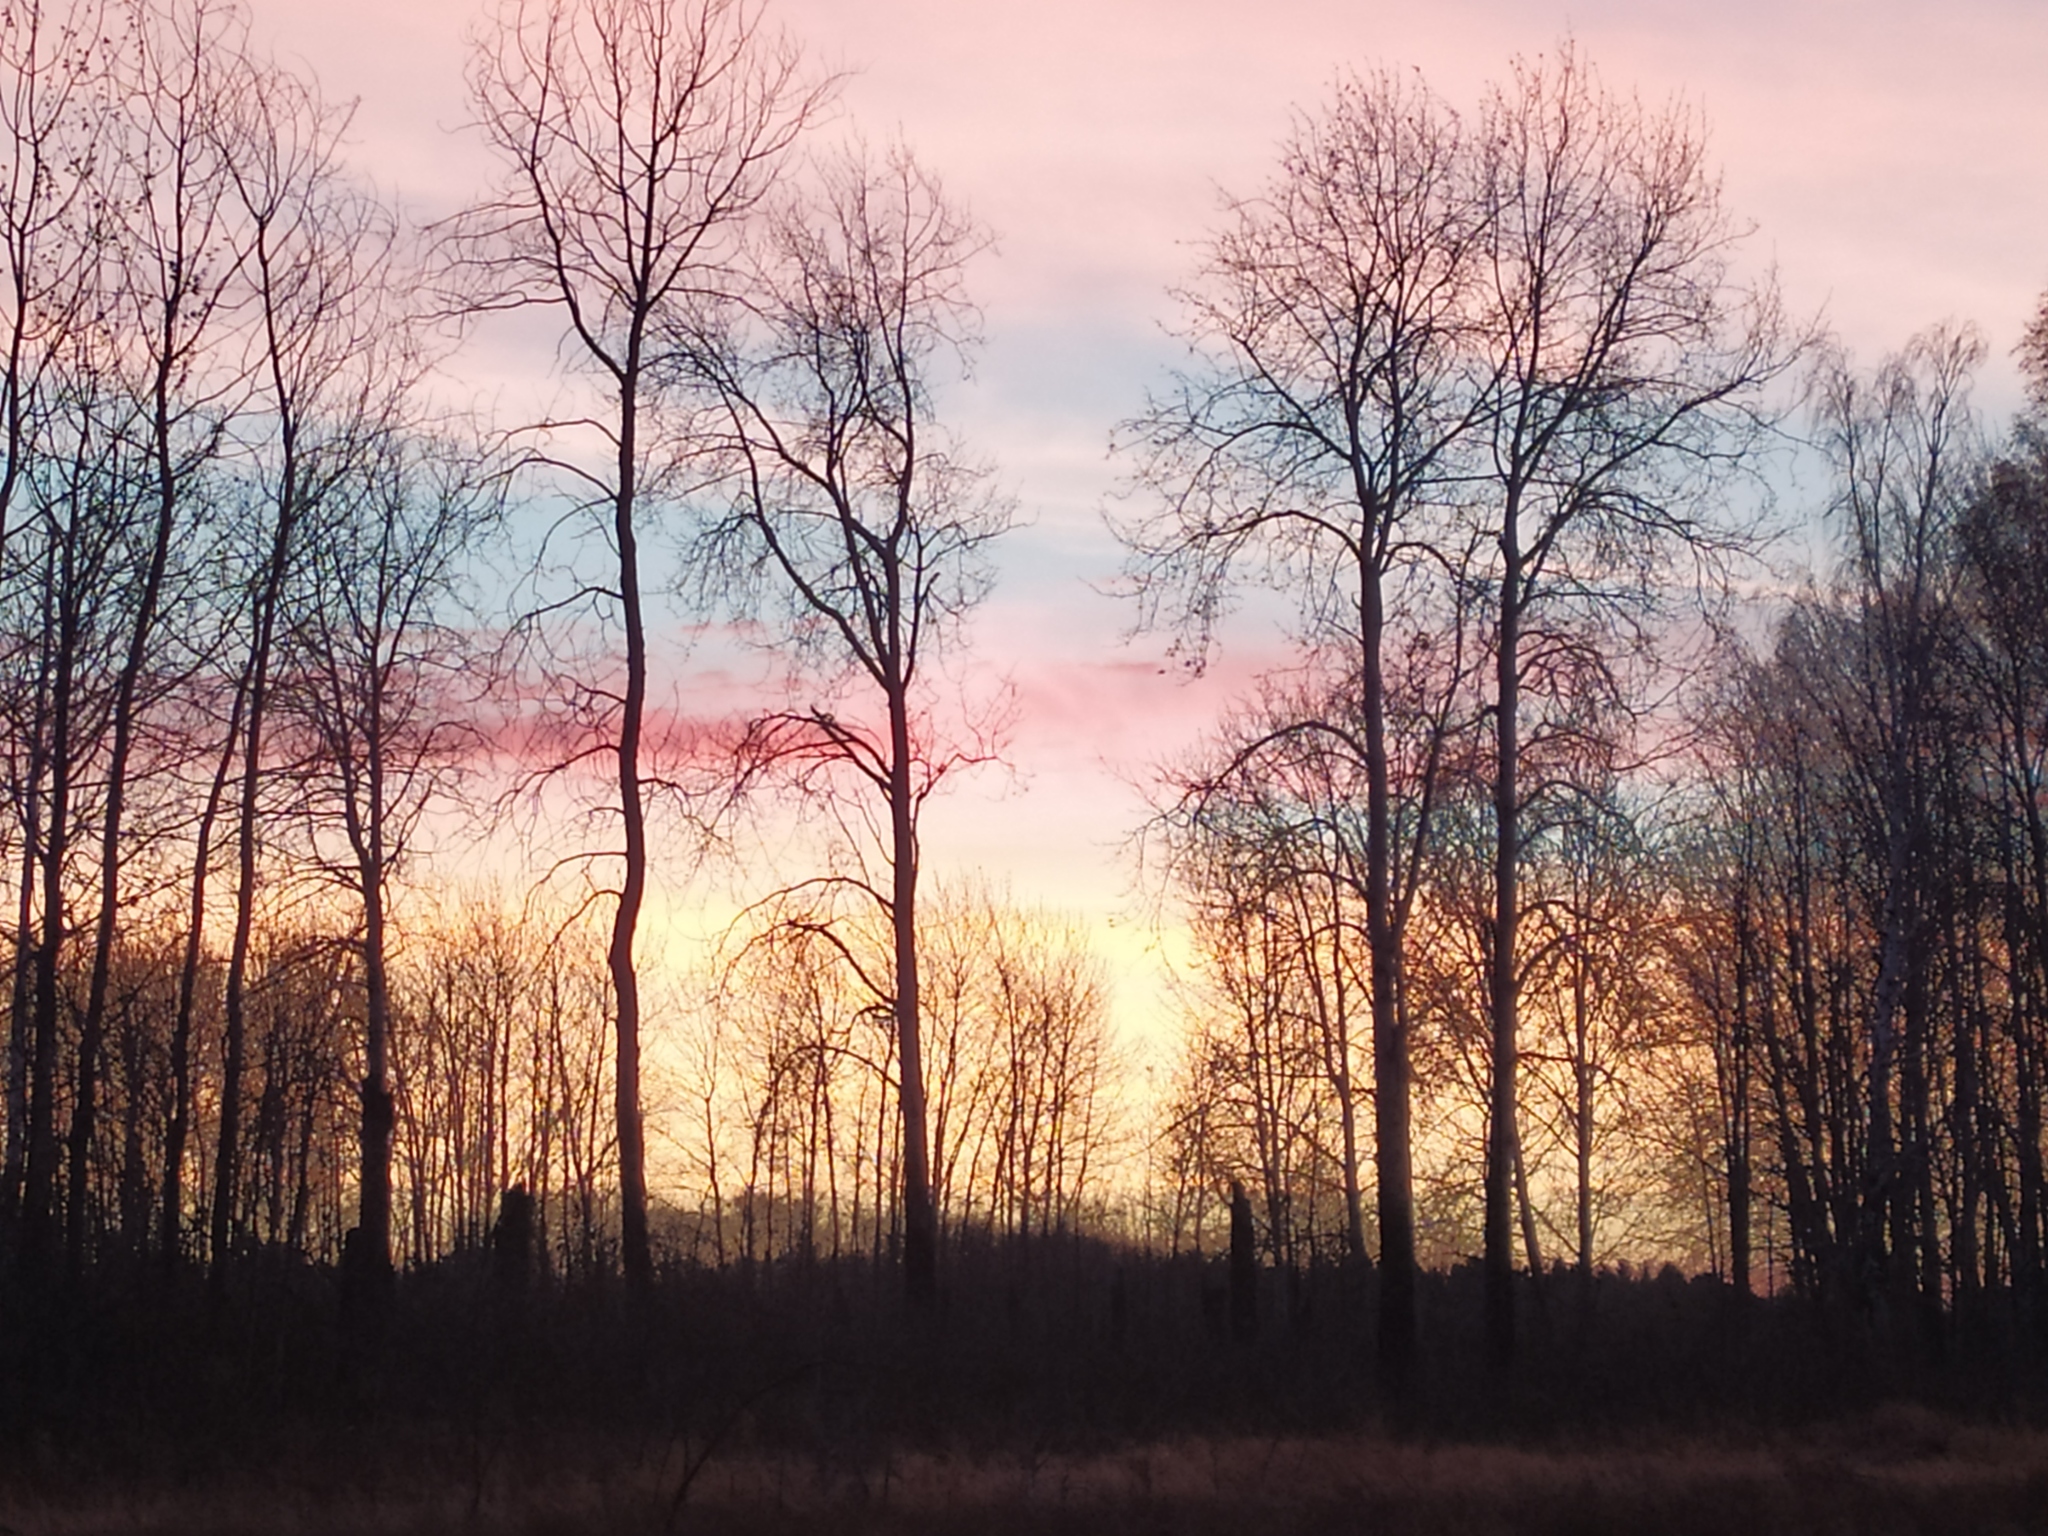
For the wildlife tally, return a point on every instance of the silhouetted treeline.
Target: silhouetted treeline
(1586, 895)
(475, 1372)
(1782, 987)
(1871, 865)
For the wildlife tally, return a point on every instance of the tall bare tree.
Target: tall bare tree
(1315, 446)
(325, 384)
(176, 266)
(74, 563)
(56, 70)
(1903, 444)
(1627, 366)
(859, 516)
(634, 139)
(377, 657)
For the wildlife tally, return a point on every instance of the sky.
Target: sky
(1892, 155)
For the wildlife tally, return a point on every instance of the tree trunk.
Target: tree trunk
(920, 1218)
(373, 1217)
(1244, 1267)
(1503, 1143)
(135, 1200)
(1392, 1132)
(634, 1249)
(93, 1027)
(1737, 1108)
(1532, 1246)
(178, 1129)
(227, 1168)
(1582, 1115)
(41, 1181)
(21, 999)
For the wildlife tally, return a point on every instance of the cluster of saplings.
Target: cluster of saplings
(1541, 907)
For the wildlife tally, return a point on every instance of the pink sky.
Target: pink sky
(1893, 154)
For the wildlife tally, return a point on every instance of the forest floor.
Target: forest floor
(1896, 1469)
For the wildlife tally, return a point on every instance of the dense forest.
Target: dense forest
(1598, 916)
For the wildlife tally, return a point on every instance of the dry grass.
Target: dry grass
(1897, 1470)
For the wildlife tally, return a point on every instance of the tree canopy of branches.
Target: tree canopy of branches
(870, 529)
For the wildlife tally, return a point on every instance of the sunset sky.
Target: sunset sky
(1893, 155)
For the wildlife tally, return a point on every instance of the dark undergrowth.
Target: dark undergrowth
(1063, 1387)
(1896, 1470)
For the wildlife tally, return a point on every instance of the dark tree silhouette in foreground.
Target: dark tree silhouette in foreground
(854, 510)
(1626, 372)
(1317, 447)
(635, 138)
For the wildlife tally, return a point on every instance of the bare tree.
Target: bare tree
(192, 963)
(851, 506)
(74, 564)
(1267, 845)
(1260, 1100)
(326, 381)
(1017, 1060)
(1597, 1005)
(1315, 447)
(498, 1058)
(177, 257)
(1903, 442)
(1628, 367)
(635, 138)
(1018, 1054)
(55, 78)
(374, 681)
(2033, 358)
